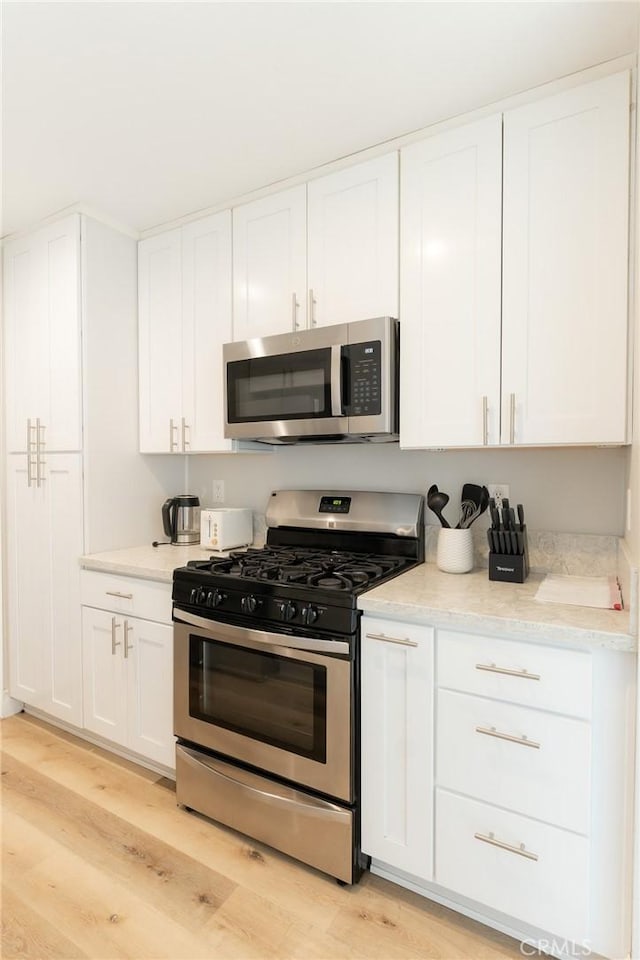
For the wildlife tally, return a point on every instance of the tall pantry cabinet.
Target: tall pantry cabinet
(74, 480)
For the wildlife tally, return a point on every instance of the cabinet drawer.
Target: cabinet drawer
(550, 892)
(545, 677)
(148, 599)
(532, 762)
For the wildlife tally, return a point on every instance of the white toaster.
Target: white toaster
(222, 528)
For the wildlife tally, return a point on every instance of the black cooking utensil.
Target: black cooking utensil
(437, 501)
(482, 505)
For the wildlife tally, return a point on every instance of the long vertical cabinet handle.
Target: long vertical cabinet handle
(312, 316)
(127, 646)
(38, 478)
(485, 421)
(114, 643)
(186, 442)
(29, 477)
(294, 312)
(173, 443)
(512, 418)
(40, 444)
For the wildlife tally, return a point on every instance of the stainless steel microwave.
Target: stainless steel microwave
(328, 384)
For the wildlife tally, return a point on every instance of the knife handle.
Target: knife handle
(514, 542)
(521, 515)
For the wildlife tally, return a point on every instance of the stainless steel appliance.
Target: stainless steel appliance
(181, 519)
(267, 674)
(328, 384)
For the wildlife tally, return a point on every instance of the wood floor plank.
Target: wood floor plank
(26, 936)
(178, 884)
(102, 847)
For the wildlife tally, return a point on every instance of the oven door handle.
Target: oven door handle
(260, 639)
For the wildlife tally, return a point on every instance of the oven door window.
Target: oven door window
(263, 696)
(291, 386)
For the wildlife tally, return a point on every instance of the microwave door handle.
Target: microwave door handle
(336, 380)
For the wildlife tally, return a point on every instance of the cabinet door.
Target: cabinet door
(206, 302)
(270, 265)
(353, 243)
(397, 745)
(160, 342)
(566, 182)
(450, 288)
(43, 345)
(28, 584)
(44, 542)
(149, 668)
(103, 669)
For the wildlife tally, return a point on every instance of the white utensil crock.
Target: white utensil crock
(455, 550)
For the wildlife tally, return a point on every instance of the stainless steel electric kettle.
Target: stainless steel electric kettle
(181, 519)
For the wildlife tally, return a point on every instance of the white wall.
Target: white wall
(577, 490)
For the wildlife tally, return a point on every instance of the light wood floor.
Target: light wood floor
(99, 862)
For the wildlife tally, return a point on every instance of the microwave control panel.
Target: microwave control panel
(365, 366)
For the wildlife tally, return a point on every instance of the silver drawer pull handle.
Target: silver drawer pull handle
(491, 668)
(523, 740)
(127, 646)
(116, 593)
(114, 643)
(382, 636)
(506, 846)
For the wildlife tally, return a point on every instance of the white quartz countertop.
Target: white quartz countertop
(148, 563)
(473, 603)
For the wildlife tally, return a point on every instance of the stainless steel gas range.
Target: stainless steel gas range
(267, 675)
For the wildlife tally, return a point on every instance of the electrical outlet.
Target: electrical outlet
(218, 491)
(499, 492)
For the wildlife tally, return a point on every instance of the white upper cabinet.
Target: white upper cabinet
(185, 317)
(353, 243)
(42, 331)
(269, 265)
(514, 275)
(566, 199)
(206, 313)
(318, 254)
(450, 292)
(160, 342)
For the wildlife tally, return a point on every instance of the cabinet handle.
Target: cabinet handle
(312, 318)
(294, 312)
(382, 636)
(40, 462)
(114, 643)
(485, 421)
(491, 668)
(523, 740)
(29, 453)
(116, 593)
(506, 846)
(185, 442)
(127, 646)
(512, 418)
(173, 428)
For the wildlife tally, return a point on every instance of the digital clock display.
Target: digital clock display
(334, 504)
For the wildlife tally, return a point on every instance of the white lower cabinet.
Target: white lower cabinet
(127, 674)
(44, 540)
(513, 864)
(497, 779)
(397, 754)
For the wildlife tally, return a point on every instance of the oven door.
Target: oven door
(282, 704)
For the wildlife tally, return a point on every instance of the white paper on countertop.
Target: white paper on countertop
(601, 592)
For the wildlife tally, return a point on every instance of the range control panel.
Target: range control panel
(365, 364)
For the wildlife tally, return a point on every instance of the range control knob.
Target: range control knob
(309, 614)
(218, 598)
(288, 610)
(249, 604)
(201, 595)
(193, 595)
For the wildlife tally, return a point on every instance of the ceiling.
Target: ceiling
(151, 111)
